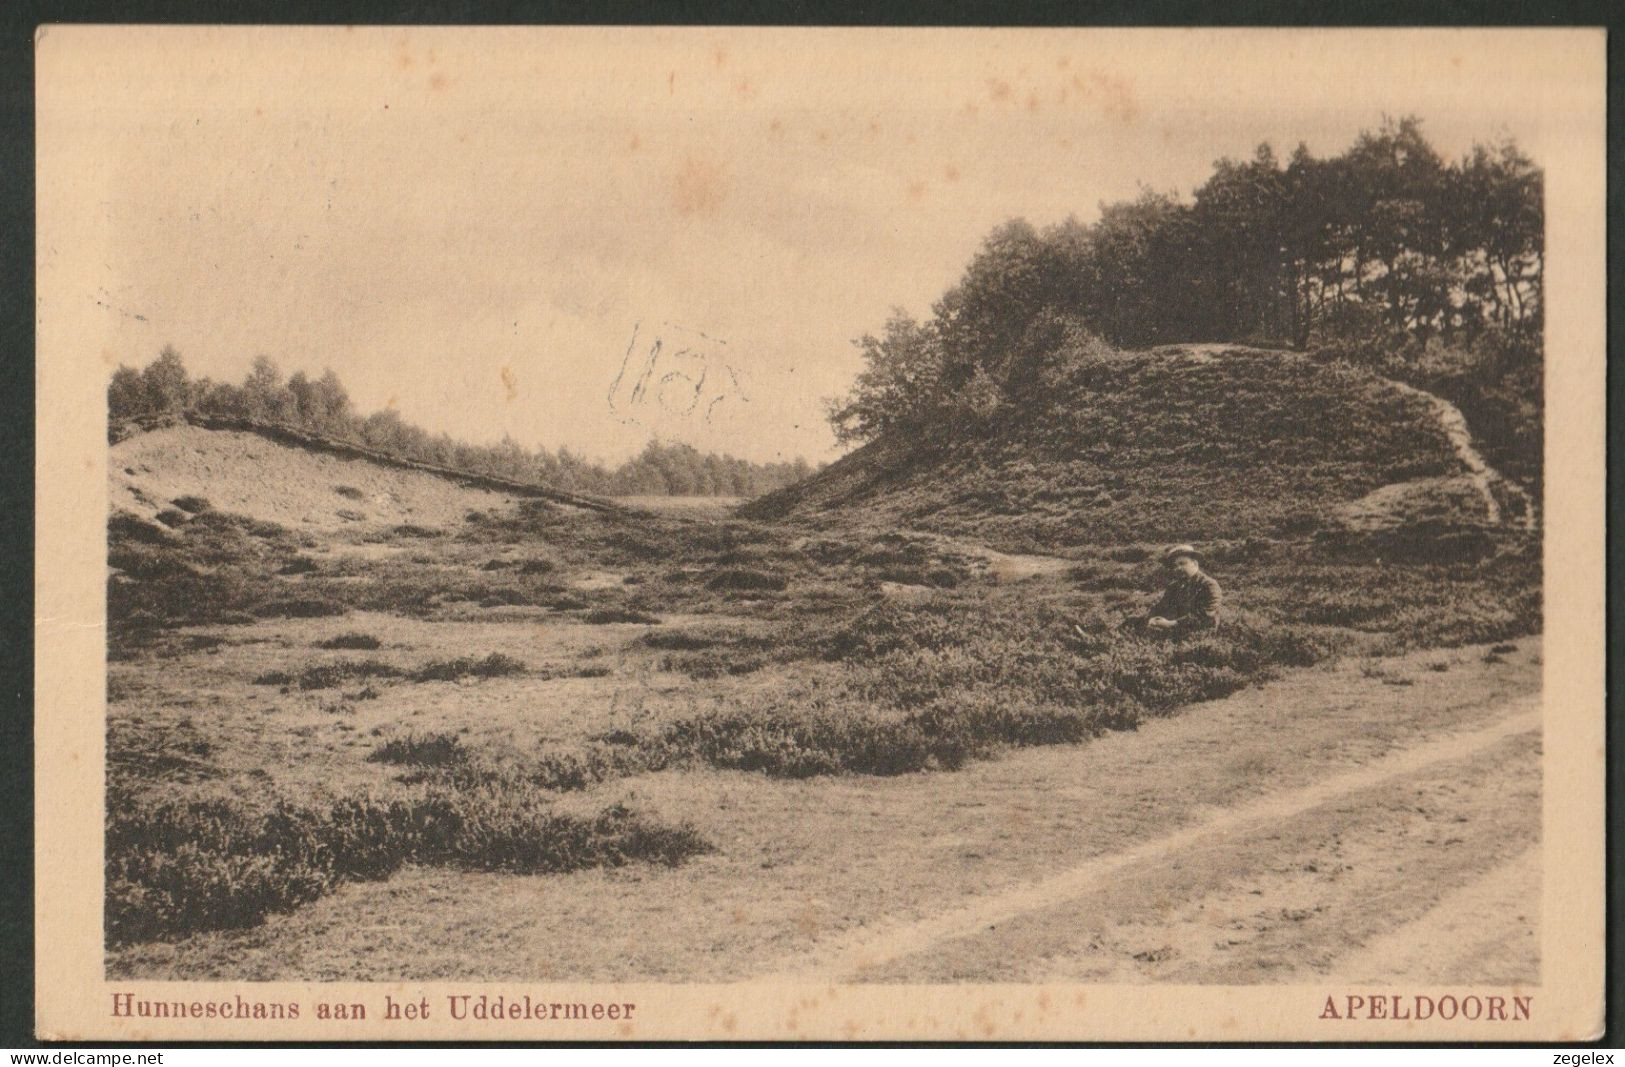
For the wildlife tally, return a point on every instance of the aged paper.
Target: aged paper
(458, 619)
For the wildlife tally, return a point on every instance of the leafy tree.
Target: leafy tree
(1499, 235)
(322, 406)
(901, 382)
(262, 389)
(1385, 243)
(164, 383)
(126, 397)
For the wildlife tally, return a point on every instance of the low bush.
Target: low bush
(124, 526)
(602, 616)
(504, 597)
(197, 505)
(573, 769)
(421, 750)
(713, 663)
(408, 529)
(138, 560)
(934, 683)
(298, 607)
(805, 744)
(494, 665)
(178, 868)
(744, 579)
(677, 640)
(151, 751)
(353, 640)
(330, 675)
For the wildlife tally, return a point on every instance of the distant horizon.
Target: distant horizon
(489, 232)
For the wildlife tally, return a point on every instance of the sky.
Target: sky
(588, 237)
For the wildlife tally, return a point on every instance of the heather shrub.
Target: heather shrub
(746, 580)
(495, 665)
(145, 561)
(504, 596)
(177, 868)
(353, 640)
(298, 607)
(408, 529)
(174, 751)
(713, 663)
(677, 640)
(425, 750)
(603, 616)
(330, 675)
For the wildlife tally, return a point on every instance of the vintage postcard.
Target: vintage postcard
(794, 534)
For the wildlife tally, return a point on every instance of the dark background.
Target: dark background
(18, 21)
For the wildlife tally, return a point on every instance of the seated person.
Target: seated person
(1191, 601)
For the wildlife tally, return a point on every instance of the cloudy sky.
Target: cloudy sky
(490, 230)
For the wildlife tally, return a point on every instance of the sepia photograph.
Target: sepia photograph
(592, 512)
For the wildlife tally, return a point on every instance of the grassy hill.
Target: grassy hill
(1199, 443)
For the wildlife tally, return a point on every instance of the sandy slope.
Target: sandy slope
(250, 475)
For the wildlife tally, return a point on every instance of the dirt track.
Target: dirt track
(872, 952)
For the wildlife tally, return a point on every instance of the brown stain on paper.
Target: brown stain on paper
(510, 383)
(807, 920)
(699, 188)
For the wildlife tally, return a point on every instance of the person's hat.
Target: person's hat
(1181, 550)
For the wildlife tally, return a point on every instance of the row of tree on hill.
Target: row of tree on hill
(321, 406)
(1385, 248)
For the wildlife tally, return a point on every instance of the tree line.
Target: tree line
(1385, 253)
(322, 406)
